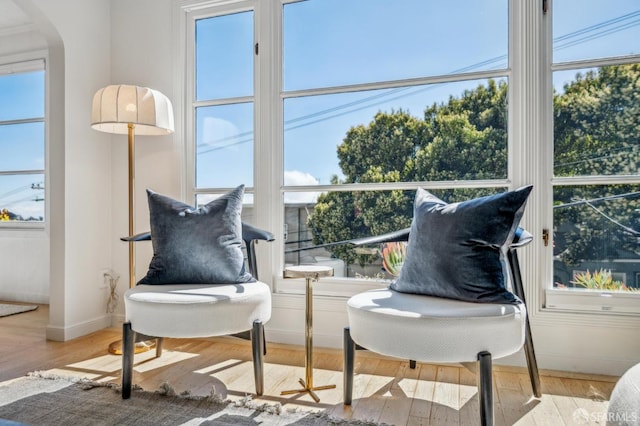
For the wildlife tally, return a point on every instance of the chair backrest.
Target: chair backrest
(520, 239)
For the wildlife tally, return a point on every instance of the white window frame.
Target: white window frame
(32, 61)
(530, 151)
(574, 301)
(339, 286)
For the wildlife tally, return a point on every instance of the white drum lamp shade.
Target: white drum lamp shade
(117, 106)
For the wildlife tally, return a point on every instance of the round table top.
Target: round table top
(308, 271)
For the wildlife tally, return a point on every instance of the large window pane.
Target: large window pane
(337, 42)
(224, 56)
(596, 225)
(447, 131)
(596, 121)
(22, 96)
(224, 153)
(597, 230)
(22, 143)
(442, 131)
(596, 109)
(22, 198)
(592, 29)
(22, 147)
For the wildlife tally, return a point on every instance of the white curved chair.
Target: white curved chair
(438, 330)
(198, 310)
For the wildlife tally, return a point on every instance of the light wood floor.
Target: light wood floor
(386, 390)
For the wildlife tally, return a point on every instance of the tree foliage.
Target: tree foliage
(596, 128)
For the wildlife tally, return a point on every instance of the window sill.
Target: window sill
(21, 226)
(608, 302)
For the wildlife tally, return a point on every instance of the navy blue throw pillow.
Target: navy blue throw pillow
(196, 246)
(458, 251)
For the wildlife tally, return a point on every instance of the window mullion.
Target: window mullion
(528, 133)
(268, 140)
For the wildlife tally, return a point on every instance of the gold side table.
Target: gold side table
(310, 273)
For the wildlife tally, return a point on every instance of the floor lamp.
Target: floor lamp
(124, 109)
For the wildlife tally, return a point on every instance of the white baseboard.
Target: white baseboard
(62, 334)
(589, 365)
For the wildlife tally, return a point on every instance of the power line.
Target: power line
(597, 200)
(590, 204)
(612, 220)
(18, 190)
(598, 35)
(14, 191)
(613, 153)
(597, 26)
(21, 200)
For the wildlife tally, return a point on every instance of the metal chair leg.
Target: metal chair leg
(518, 289)
(349, 348)
(128, 343)
(532, 364)
(258, 351)
(485, 389)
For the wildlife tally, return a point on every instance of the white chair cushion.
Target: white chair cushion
(434, 329)
(196, 310)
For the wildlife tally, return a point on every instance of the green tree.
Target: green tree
(382, 151)
(467, 137)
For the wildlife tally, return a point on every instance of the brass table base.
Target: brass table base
(307, 389)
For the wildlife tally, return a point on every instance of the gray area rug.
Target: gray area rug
(51, 401)
(8, 309)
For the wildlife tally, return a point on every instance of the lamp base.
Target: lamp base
(115, 348)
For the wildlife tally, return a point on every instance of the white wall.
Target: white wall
(21, 40)
(79, 162)
(24, 262)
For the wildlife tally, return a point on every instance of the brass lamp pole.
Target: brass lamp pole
(132, 177)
